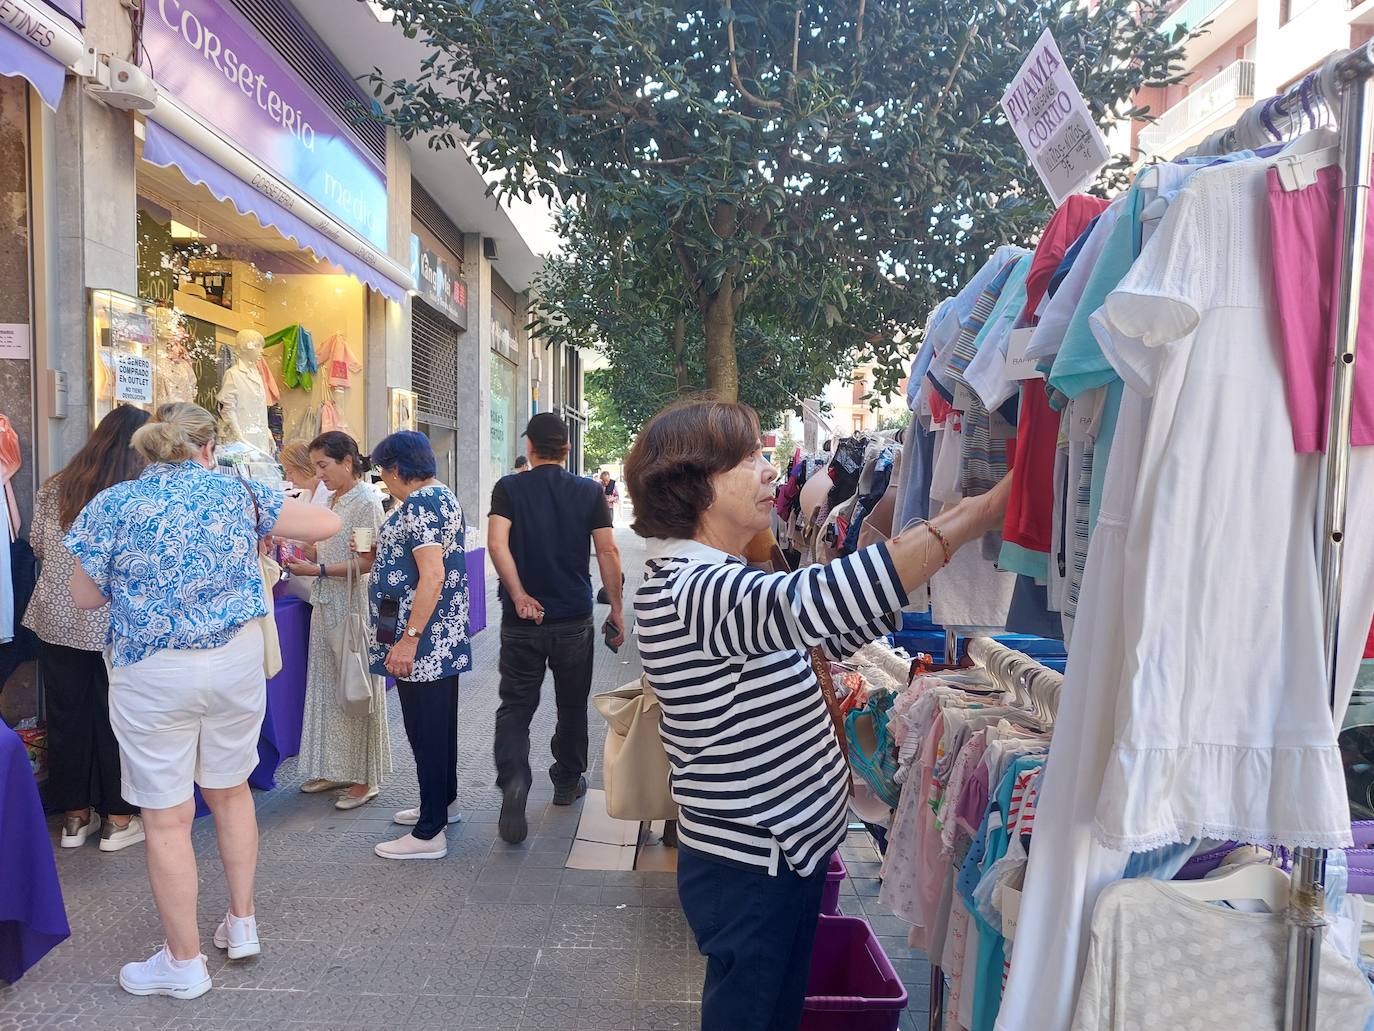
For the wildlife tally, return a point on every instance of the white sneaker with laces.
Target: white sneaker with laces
(162, 975)
(113, 838)
(410, 817)
(238, 936)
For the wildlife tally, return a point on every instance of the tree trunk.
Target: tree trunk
(718, 317)
(679, 355)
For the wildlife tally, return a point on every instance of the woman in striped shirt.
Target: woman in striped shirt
(756, 767)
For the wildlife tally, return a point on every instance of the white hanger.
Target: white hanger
(1254, 881)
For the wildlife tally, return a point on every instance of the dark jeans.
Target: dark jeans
(526, 651)
(756, 933)
(430, 713)
(83, 756)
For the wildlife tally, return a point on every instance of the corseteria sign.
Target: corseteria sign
(1053, 123)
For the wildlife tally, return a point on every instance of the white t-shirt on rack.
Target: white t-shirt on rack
(1160, 960)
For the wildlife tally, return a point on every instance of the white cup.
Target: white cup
(362, 539)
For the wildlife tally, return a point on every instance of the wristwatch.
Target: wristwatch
(412, 632)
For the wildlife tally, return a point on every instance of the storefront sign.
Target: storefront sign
(212, 63)
(14, 340)
(133, 378)
(438, 282)
(1053, 123)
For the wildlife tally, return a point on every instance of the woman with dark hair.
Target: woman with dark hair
(419, 597)
(757, 769)
(83, 756)
(338, 748)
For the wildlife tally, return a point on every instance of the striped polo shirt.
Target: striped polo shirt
(756, 769)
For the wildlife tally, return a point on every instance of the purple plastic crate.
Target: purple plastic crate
(852, 986)
(834, 877)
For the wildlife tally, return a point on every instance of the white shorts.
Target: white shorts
(189, 717)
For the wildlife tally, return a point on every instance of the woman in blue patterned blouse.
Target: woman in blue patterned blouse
(420, 573)
(175, 554)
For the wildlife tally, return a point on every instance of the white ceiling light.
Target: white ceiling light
(381, 13)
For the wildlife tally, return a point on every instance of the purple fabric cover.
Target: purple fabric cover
(33, 919)
(477, 590)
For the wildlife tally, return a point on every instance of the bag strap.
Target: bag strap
(253, 499)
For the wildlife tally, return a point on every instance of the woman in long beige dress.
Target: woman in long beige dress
(338, 749)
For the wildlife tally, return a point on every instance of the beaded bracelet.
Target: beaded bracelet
(944, 541)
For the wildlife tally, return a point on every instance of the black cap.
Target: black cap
(547, 432)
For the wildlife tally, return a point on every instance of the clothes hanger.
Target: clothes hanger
(1259, 882)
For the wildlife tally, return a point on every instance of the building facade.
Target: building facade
(1251, 48)
(187, 186)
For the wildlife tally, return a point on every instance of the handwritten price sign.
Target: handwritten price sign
(1052, 122)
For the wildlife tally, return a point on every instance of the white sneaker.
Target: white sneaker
(157, 976)
(113, 838)
(75, 833)
(410, 817)
(408, 846)
(239, 937)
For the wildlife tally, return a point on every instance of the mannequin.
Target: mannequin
(243, 397)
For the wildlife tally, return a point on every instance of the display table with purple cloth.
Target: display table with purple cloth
(281, 726)
(33, 920)
(477, 590)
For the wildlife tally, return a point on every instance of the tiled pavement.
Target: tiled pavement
(492, 937)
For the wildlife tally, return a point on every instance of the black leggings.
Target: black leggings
(83, 756)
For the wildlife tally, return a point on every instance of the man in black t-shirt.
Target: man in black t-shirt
(542, 526)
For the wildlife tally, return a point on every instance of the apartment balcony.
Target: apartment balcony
(1210, 106)
(1223, 18)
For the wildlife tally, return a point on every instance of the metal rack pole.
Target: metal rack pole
(1305, 911)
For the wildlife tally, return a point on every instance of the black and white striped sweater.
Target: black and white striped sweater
(756, 768)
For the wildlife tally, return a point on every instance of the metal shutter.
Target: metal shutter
(298, 45)
(434, 364)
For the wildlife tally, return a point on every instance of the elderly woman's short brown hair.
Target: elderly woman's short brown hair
(669, 469)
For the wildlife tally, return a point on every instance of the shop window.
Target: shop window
(504, 430)
(213, 287)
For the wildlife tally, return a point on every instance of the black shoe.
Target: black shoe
(513, 826)
(570, 794)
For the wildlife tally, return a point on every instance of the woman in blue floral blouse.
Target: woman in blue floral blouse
(175, 555)
(420, 575)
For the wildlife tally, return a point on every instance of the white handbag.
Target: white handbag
(354, 687)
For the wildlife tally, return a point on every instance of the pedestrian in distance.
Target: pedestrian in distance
(542, 528)
(83, 756)
(174, 554)
(419, 606)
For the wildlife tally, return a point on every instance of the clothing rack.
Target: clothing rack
(1015, 670)
(1343, 85)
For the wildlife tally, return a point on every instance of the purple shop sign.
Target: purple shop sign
(73, 9)
(212, 63)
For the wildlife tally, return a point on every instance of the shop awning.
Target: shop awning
(163, 148)
(21, 58)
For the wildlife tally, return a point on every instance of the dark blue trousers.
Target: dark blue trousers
(430, 714)
(756, 933)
